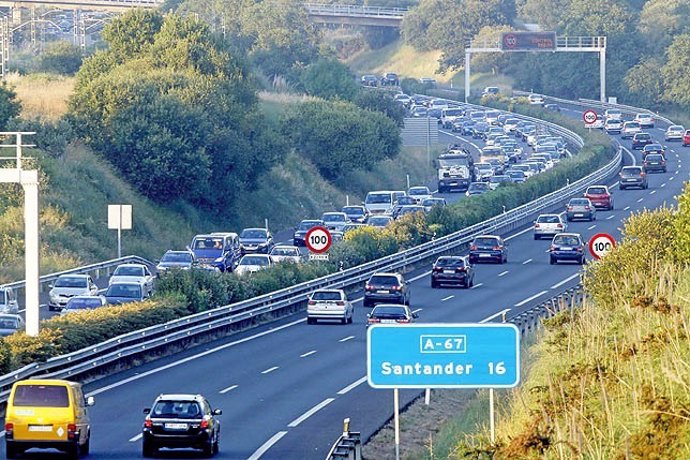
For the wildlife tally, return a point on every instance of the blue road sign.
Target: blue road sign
(443, 356)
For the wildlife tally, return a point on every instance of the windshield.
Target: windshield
(654, 157)
(447, 163)
(516, 174)
(483, 166)
(9, 323)
(549, 220)
(207, 243)
(384, 280)
(596, 191)
(41, 396)
(378, 198)
(453, 112)
(353, 210)
(81, 303)
(632, 124)
(254, 233)
(179, 257)
(379, 221)
(333, 218)
(389, 312)
(642, 136)
(132, 291)
(419, 191)
(566, 240)
(129, 271)
(450, 262)
(177, 409)
(579, 202)
(255, 260)
(326, 295)
(631, 171)
(307, 224)
(486, 241)
(479, 186)
(285, 252)
(71, 282)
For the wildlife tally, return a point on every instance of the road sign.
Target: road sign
(528, 41)
(443, 356)
(319, 257)
(318, 240)
(590, 117)
(600, 244)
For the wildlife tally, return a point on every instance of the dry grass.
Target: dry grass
(42, 95)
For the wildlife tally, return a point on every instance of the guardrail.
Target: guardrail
(140, 341)
(354, 10)
(348, 446)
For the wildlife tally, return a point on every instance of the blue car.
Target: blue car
(118, 293)
(488, 248)
(567, 246)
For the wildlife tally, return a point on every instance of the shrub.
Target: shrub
(62, 58)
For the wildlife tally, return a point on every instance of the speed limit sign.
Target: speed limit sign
(600, 244)
(318, 240)
(590, 117)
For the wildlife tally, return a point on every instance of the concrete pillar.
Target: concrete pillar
(31, 238)
(602, 75)
(468, 55)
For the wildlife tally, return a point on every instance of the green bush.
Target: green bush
(62, 58)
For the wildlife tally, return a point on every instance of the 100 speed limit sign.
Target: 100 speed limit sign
(318, 240)
(590, 117)
(600, 244)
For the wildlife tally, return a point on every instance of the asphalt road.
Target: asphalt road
(285, 388)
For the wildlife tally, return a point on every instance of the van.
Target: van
(379, 202)
(47, 414)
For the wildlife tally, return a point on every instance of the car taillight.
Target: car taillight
(396, 288)
(311, 302)
(536, 225)
(570, 208)
(643, 174)
(203, 425)
(368, 287)
(461, 269)
(559, 225)
(473, 247)
(374, 320)
(71, 431)
(578, 249)
(9, 430)
(340, 303)
(586, 208)
(552, 248)
(497, 248)
(437, 269)
(148, 423)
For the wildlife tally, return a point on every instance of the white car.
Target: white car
(329, 304)
(535, 99)
(674, 133)
(613, 126)
(285, 253)
(495, 181)
(66, 287)
(630, 128)
(483, 171)
(598, 123)
(613, 114)
(133, 273)
(83, 302)
(420, 193)
(510, 125)
(646, 120)
(529, 172)
(334, 220)
(549, 225)
(492, 116)
(251, 263)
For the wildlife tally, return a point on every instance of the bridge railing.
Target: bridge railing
(353, 10)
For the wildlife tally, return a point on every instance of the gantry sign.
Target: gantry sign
(540, 42)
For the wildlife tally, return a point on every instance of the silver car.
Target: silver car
(8, 300)
(548, 225)
(329, 304)
(9, 324)
(68, 286)
(580, 208)
(285, 253)
(335, 220)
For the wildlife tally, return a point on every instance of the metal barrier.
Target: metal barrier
(353, 10)
(348, 446)
(144, 340)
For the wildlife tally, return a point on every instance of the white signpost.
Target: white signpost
(119, 218)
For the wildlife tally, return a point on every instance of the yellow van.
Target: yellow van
(47, 414)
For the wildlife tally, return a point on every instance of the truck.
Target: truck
(219, 250)
(455, 171)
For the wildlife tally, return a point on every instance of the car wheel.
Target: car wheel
(582, 260)
(216, 443)
(434, 285)
(86, 448)
(311, 320)
(472, 281)
(73, 452)
(207, 450)
(148, 449)
(344, 320)
(552, 260)
(352, 318)
(537, 237)
(620, 187)
(11, 451)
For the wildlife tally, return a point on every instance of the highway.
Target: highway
(286, 387)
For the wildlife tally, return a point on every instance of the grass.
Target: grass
(42, 95)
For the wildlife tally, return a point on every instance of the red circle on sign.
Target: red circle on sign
(589, 116)
(600, 244)
(322, 239)
(510, 40)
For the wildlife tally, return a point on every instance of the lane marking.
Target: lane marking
(675, 172)
(640, 200)
(626, 208)
(270, 369)
(417, 310)
(420, 276)
(663, 185)
(136, 438)
(652, 192)
(591, 227)
(670, 178)
(309, 353)
(310, 412)
(529, 299)
(350, 337)
(486, 320)
(615, 184)
(610, 217)
(632, 157)
(503, 273)
(352, 386)
(568, 279)
(230, 388)
(477, 285)
(267, 445)
(527, 261)
(191, 358)
(447, 298)
(519, 233)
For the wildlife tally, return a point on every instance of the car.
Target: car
(356, 214)
(580, 208)
(255, 240)
(479, 130)
(10, 323)
(217, 251)
(58, 407)
(452, 270)
(598, 123)
(390, 79)
(409, 209)
(285, 253)
(600, 196)
(334, 220)
(477, 188)
(525, 168)
(613, 126)
(483, 171)
(399, 203)
(646, 120)
(491, 116)
(633, 176)
(419, 112)
(67, 286)
(403, 99)
(553, 107)
(654, 162)
(379, 202)
(464, 127)
(125, 292)
(496, 181)
(391, 314)
(379, 221)
(491, 91)
(686, 138)
(613, 114)
(370, 80)
(567, 246)
(435, 112)
(510, 125)
(329, 304)
(640, 140)
(8, 301)
(298, 238)
(535, 99)
(653, 148)
(252, 263)
(674, 133)
(516, 176)
(431, 203)
(488, 248)
(135, 273)
(181, 260)
(630, 128)
(386, 288)
(178, 421)
(84, 302)
(419, 193)
(352, 226)
(549, 225)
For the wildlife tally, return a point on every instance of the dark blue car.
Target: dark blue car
(488, 248)
(567, 246)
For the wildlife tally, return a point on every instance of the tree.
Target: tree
(661, 20)
(130, 34)
(381, 102)
(330, 79)
(675, 71)
(61, 57)
(490, 62)
(10, 107)
(645, 83)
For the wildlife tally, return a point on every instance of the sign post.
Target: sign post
(119, 218)
(318, 241)
(600, 244)
(443, 356)
(589, 117)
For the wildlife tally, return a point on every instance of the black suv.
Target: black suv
(452, 270)
(654, 162)
(640, 140)
(181, 421)
(386, 288)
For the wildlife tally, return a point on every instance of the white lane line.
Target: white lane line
(632, 157)
(527, 261)
(419, 277)
(640, 200)
(591, 227)
(192, 358)
(447, 298)
(529, 299)
(477, 285)
(670, 178)
(561, 283)
(352, 386)
(267, 445)
(136, 438)
(349, 337)
(310, 412)
(269, 370)
(503, 273)
(417, 310)
(626, 208)
(358, 299)
(615, 184)
(486, 320)
(652, 192)
(675, 172)
(610, 217)
(230, 388)
(309, 353)
(664, 184)
(519, 233)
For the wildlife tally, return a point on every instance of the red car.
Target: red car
(686, 138)
(600, 197)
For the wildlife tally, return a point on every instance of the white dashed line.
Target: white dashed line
(136, 438)
(486, 320)
(352, 386)
(230, 388)
(529, 299)
(676, 171)
(477, 285)
(610, 217)
(310, 412)
(347, 338)
(626, 208)
(270, 370)
(419, 277)
(447, 298)
(570, 278)
(652, 192)
(670, 178)
(664, 184)
(309, 353)
(417, 310)
(640, 200)
(267, 445)
(527, 261)
(503, 273)
(591, 227)
(519, 233)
